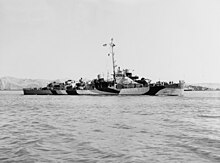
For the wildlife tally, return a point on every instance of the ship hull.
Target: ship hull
(37, 92)
(134, 91)
(103, 91)
(111, 91)
(59, 92)
(71, 91)
(152, 91)
(168, 90)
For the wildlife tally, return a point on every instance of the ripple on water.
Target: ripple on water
(110, 129)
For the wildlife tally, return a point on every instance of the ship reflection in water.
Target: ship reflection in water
(123, 83)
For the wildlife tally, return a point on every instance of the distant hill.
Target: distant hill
(11, 83)
(202, 86)
(208, 85)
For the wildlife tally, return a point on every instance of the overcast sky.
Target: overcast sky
(158, 39)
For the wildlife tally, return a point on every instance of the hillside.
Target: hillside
(208, 85)
(202, 86)
(11, 83)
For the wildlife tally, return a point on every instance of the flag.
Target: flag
(104, 44)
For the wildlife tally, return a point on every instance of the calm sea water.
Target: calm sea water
(110, 129)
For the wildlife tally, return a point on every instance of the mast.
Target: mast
(113, 59)
(111, 44)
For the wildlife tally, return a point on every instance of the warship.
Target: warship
(53, 88)
(37, 91)
(124, 83)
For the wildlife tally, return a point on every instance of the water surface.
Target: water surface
(110, 129)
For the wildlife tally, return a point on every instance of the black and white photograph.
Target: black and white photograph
(109, 81)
